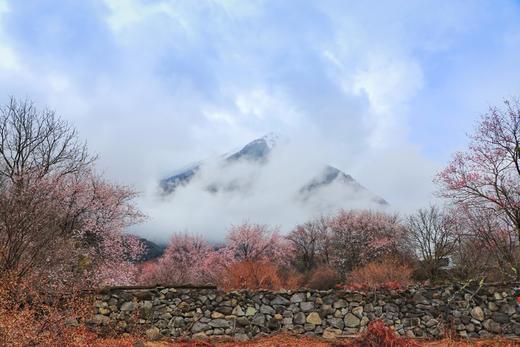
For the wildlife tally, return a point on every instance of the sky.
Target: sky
(384, 90)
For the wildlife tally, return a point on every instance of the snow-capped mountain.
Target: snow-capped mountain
(329, 188)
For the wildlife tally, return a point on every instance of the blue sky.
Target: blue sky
(385, 90)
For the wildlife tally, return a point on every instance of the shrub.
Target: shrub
(383, 273)
(378, 335)
(323, 278)
(258, 275)
(30, 316)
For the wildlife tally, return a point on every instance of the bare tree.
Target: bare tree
(35, 144)
(433, 234)
(311, 243)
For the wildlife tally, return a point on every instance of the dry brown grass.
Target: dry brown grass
(282, 340)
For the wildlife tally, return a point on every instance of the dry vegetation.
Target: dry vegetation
(297, 341)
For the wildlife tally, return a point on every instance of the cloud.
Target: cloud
(383, 90)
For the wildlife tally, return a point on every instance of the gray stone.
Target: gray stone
(307, 306)
(258, 319)
(243, 321)
(391, 308)
(352, 321)
(336, 323)
(280, 300)
(198, 327)
(340, 304)
(299, 318)
(358, 311)
(432, 323)
(220, 323)
(500, 317)
(368, 308)
(298, 297)
(267, 309)
(237, 311)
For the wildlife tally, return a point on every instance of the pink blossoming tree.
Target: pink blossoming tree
(484, 183)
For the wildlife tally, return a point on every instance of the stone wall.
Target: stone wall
(470, 311)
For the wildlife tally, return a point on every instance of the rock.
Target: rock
(351, 321)
(177, 322)
(243, 321)
(220, 323)
(258, 319)
(500, 317)
(508, 309)
(326, 310)
(198, 327)
(127, 306)
(237, 311)
(267, 309)
(306, 306)
(153, 334)
(492, 326)
(340, 304)
(298, 297)
(226, 310)
(336, 323)
(278, 316)
(492, 306)
(146, 309)
(477, 313)
(419, 299)
(309, 327)
(432, 323)
(368, 308)
(279, 300)
(314, 318)
(364, 321)
(200, 336)
(217, 315)
(273, 324)
(299, 318)
(250, 311)
(391, 308)
(358, 311)
(331, 333)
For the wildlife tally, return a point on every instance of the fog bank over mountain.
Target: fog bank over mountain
(269, 180)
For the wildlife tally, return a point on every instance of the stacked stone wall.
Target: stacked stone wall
(427, 312)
